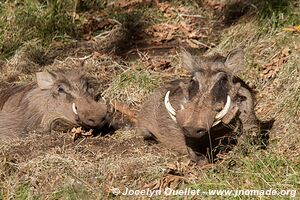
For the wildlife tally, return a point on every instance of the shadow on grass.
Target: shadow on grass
(133, 35)
(263, 137)
(266, 10)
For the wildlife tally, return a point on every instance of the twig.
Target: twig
(126, 110)
(186, 15)
(200, 43)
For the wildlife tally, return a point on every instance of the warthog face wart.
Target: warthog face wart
(206, 96)
(195, 115)
(59, 100)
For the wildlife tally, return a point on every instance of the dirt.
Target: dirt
(36, 145)
(124, 44)
(48, 162)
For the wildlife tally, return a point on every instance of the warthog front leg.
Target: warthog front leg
(247, 113)
(171, 138)
(250, 123)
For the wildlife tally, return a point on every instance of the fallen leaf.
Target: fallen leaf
(192, 44)
(162, 32)
(78, 133)
(271, 68)
(170, 181)
(292, 29)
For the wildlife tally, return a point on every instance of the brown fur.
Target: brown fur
(197, 101)
(47, 104)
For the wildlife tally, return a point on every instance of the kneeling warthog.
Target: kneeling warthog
(197, 115)
(59, 100)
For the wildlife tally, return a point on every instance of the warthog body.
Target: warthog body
(59, 100)
(197, 115)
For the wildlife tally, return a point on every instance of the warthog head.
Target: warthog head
(207, 96)
(203, 115)
(70, 97)
(59, 100)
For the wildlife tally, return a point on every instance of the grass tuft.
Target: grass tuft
(131, 86)
(276, 13)
(55, 167)
(23, 21)
(73, 191)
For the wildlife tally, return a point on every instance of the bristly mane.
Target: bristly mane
(5, 94)
(215, 58)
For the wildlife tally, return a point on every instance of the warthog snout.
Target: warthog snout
(92, 116)
(197, 119)
(195, 130)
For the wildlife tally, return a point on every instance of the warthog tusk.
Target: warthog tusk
(181, 107)
(74, 109)
(225, 110)
(216, 122)
(169, 107)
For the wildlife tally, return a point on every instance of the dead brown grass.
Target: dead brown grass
(54, 167)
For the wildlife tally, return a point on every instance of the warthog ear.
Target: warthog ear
(188, 62)
(45, 80)
(235, 61)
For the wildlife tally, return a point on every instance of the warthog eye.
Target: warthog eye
(98, 97)
(61, 89)
(201, 130)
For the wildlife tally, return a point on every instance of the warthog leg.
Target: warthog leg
(250, 123)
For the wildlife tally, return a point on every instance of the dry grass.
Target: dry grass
(55, 167)
(130, 86)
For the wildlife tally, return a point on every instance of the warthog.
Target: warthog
(59, 100)
(197, 115)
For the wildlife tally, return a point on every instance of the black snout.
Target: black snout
(194, 132)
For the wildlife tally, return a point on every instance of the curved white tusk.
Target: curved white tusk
(168, 104)
(74, 109)
(169, 107)
(216, 122)
(181, 107)
(225, 110)
(173, 117)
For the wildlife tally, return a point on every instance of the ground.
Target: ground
(130, 48)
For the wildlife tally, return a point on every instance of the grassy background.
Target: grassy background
(42, 34)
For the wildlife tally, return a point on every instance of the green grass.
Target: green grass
(44, 21)
(131, 85)
(276, 13)
(72, 192)
(22, 191)
(31, 26)
(263, 170)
